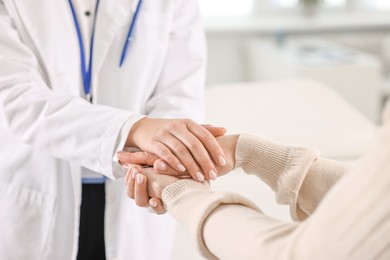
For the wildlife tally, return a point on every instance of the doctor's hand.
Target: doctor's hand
(145, 186)
(183, 144)
(227, 143)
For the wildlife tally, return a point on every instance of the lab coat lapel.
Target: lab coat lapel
(48, 25)
(111, 17)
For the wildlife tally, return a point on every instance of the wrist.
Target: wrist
(228, 143)
(131, 138)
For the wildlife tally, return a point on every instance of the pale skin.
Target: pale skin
(145, 185)
(183, 144)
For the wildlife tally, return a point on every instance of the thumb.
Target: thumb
(142, 158)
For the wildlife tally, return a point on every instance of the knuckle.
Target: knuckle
(168, 157)
(173, 124)
(187, 121)
(180, 148)
(163, 152)
(203, 135)
(161, 131)
(195, 145)
(145, 154)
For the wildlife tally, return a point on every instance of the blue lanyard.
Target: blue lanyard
(86, 71)
(129, 37)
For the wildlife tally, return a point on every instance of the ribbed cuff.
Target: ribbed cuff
(261, 157)
(281, 167)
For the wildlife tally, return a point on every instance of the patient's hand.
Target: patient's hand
(145, 186)
(228, 144)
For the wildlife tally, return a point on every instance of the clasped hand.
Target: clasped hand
(183, 144)
(148, 174)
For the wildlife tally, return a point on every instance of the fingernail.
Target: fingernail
(125, 167)
(213, 175)
(161, 166)
(140, 178)
(153, 203)
(222, 160)
(133, 173)
(199, 176)
(120, 153)
(181, 168)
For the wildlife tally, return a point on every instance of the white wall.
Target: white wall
(227, 53)
(229, 61)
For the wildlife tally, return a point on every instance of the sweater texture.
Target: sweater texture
(340, 211)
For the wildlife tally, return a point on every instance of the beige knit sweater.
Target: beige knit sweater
(352, 221)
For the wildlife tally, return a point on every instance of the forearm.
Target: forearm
(63, 126)
(191, 203)
(227, 225)
(234, 231)
(321, 177)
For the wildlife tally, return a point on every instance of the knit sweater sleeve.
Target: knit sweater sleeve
(299, 177)
(296, 173)
(191, 202)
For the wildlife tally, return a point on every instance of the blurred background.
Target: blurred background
(302, 72)
(344, 43)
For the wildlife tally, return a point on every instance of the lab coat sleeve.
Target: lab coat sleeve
(180, 89)
(64, 126)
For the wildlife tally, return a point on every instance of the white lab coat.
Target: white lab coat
(47, 131)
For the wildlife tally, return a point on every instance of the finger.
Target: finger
(209, 142)
(162, 167)
(131, 176)
(130, 182)
(181, 177)
(157, 206)
(198, 153)
(164, 152)
(143, 158)
(127, 176)
(215, 130)
(141, 190)
(183, 153)
(151, 134)
(125, 166)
